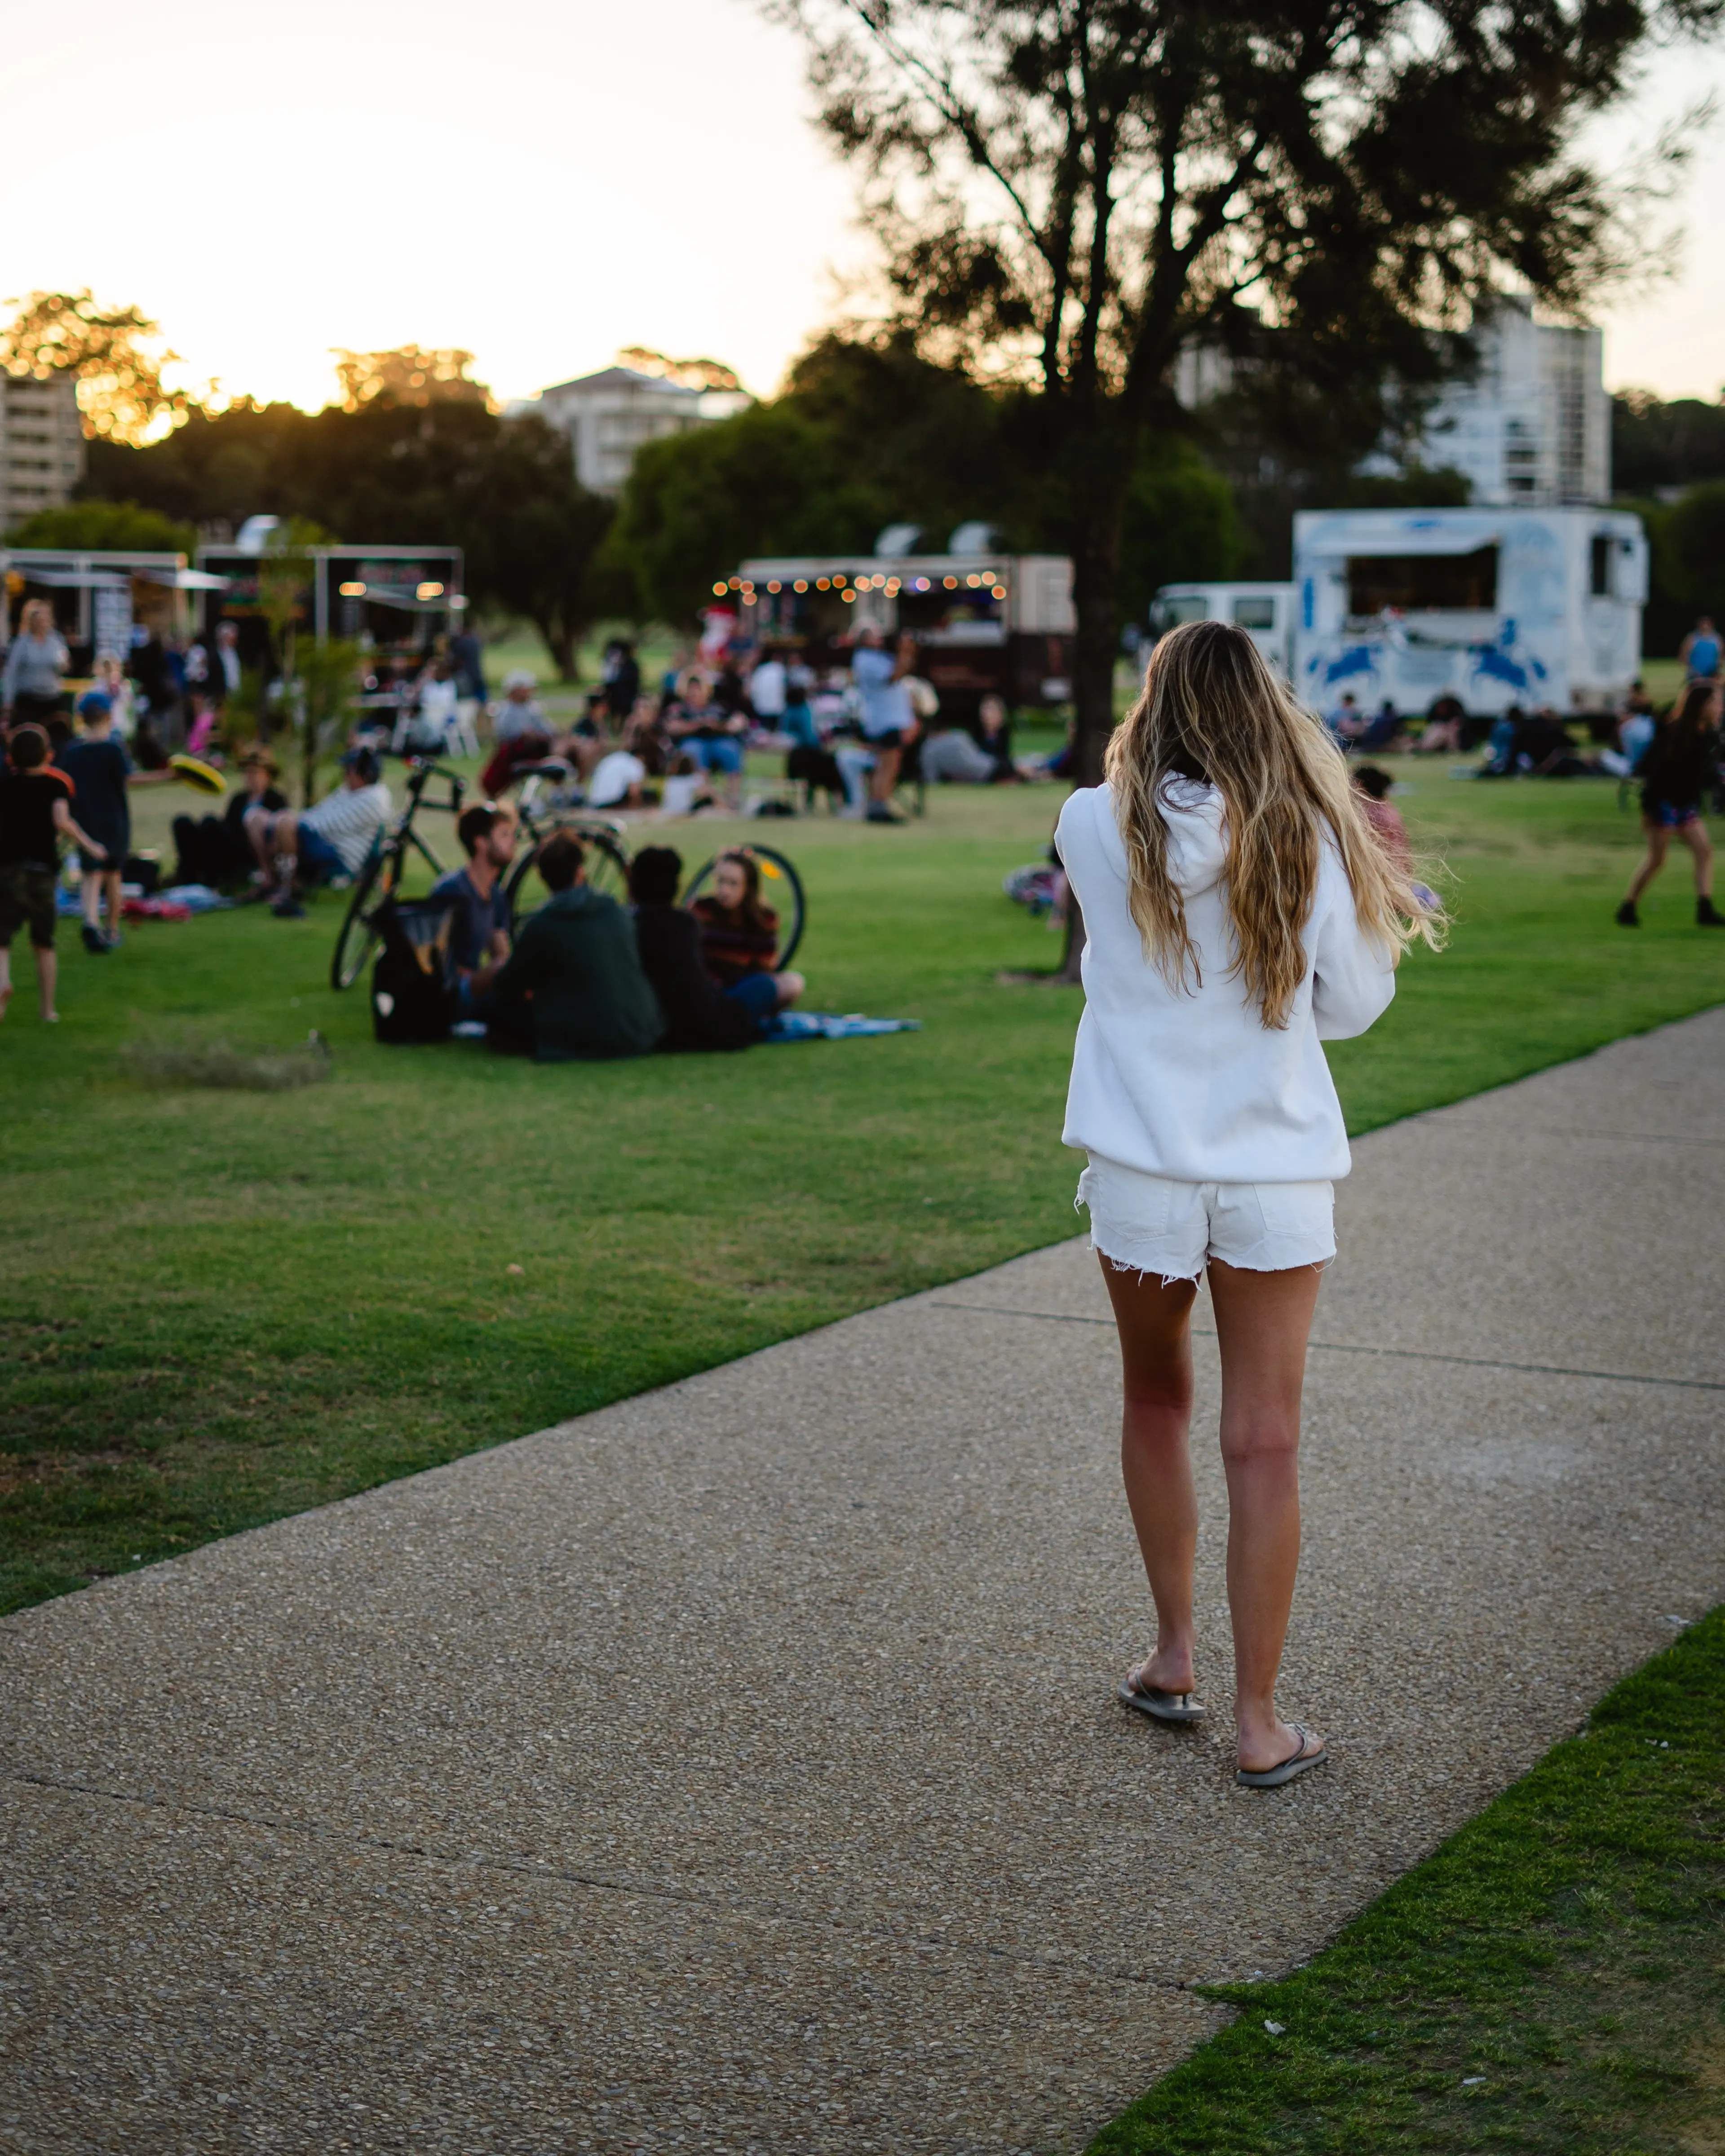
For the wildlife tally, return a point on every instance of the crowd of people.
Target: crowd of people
(853, 733)
(168, 693)
(1675, 761)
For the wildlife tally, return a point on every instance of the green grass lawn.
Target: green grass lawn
(1552, 1979)
(219, 1306)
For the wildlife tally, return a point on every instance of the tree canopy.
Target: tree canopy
(870, 432)
(1068, 191)
(117, 353)
(446, 472)
(407, 376)
(96, 527)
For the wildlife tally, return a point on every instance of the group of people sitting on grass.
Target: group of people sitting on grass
(854, 734)
(589, 978)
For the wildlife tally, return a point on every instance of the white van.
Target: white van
(1494, 607)
(1265, 610)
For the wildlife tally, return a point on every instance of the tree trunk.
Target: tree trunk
(1098, 513)
(565, 649)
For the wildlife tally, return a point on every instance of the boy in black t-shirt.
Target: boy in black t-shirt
(35, 814)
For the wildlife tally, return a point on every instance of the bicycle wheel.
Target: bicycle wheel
(360, 934)
(606, 865)
(781, 888)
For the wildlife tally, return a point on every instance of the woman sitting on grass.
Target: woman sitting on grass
(1680, 764)
(739, 937)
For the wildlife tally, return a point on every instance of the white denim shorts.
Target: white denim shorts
(1148, 1224)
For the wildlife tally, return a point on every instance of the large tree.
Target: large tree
(1068, 190)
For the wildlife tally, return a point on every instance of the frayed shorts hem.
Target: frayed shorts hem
(1152, 1226)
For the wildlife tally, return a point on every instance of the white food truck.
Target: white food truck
(1265, 611)
(1495, 607)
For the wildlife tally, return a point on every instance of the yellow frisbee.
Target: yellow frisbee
(192, 771)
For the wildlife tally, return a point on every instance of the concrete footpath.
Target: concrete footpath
(738, 1768)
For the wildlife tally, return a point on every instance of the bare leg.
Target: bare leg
(47, 973)
(5, 977)
(1262, 1321)
(1695, 837)
(789, 985)
(111, 880)
(1155, 1458)
(90, 895)
(885, 775)
(1659, 841)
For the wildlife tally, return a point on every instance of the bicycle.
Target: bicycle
(543, 808)
(381, 878)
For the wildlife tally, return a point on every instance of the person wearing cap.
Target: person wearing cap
(102, 773)
(295, 851)
(519, 729)
(215, 850)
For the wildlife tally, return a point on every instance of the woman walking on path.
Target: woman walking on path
(1240, 911)
(1680, 764)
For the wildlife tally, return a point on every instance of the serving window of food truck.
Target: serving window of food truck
(1422, 583)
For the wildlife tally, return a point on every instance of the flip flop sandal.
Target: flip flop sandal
(1160, 1706)
(1296, 1763)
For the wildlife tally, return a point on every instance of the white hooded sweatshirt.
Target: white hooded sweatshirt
(1190, 1083)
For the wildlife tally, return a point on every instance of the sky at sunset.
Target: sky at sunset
(540, 183)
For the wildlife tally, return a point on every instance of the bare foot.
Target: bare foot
(1169, 1668)
(1269, 1748)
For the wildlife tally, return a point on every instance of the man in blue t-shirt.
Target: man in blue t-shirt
(888, 723)
(481, 932)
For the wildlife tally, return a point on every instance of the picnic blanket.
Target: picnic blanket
(831, 1025)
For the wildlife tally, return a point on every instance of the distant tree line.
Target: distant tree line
(869, 430)
(1668, 464)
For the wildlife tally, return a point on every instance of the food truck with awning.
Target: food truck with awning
(390, 600)
(984, 624)
(1494, 607)
(100, 598)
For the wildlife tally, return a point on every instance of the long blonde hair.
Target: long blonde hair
(1212, 710)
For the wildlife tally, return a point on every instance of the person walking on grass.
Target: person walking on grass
(1680, 763)
(35, 814)
(101, 773)
(1240, 911)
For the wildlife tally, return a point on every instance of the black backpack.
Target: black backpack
(414, 983)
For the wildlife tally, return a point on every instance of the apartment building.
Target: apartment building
(1533, 427)
(609, 415)
(41, 444)
(1530, 427)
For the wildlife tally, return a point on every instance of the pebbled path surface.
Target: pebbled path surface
(738, 1769)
